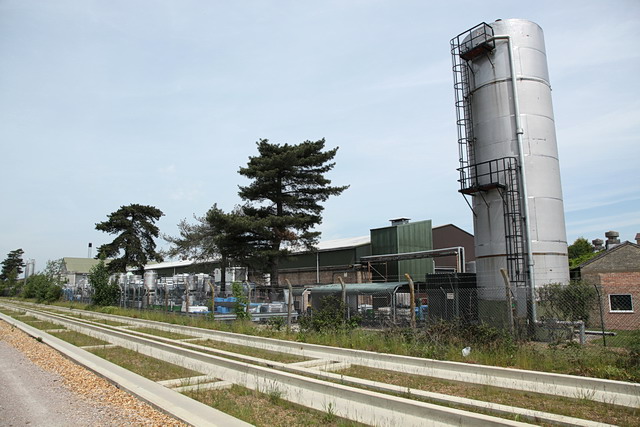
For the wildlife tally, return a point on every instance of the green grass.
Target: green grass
(44, 324)
(250, 351)
(580, 408)
(78, 339)
(148, 367)
(439, 341)
(25, 318)
(623, 339)
(109, 322)
(161, 333)
(267, 409)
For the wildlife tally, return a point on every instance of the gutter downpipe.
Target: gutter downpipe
(523, 178)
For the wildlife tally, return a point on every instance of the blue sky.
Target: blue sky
(110, 102)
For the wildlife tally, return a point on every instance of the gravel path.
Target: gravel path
(39, 387)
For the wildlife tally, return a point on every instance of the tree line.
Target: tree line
(280, 207)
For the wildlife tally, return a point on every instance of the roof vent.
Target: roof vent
(597, 244)
(612, 239)
(399, 221)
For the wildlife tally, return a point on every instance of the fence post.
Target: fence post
(604, 338)
(507, 288)
(344, 299)
(412, 301)
(166, 298)
(213, 298)
(289, 304)
(248, 306)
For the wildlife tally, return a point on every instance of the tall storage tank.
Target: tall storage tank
(150, 280)
(518, 214)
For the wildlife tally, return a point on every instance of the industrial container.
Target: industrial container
(502, 125)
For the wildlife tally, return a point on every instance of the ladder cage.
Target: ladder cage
(502, 174)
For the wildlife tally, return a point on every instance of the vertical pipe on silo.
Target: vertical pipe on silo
(523, 175)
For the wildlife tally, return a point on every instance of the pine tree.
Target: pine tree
(136, 229)
(283, 199)
(13, 262)
(216, 235)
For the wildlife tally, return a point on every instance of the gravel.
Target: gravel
(38, 386)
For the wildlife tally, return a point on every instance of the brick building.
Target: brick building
(617, 272)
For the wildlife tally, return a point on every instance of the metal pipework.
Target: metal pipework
(523, 175)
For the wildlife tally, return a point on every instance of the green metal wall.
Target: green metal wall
(347, 256)
(414, 237)
(411, 237)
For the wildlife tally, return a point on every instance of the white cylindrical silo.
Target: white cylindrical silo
(493, 122)
(150, 280)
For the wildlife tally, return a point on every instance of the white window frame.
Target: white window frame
(621, 311)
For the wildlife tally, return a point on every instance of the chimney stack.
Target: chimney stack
(612, 239)
(400, 221)
(638, 239)
(597, 244)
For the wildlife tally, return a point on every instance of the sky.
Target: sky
(106, 103)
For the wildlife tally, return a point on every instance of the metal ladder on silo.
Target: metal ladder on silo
(514, 224)
(463, 114)
(500, 174)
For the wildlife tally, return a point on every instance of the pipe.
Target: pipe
(523, 176)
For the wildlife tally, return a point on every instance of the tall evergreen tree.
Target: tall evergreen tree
(136, 229)
(13, 262)
(216, 235)
(283, 200)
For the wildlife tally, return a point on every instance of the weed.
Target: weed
(330, 413)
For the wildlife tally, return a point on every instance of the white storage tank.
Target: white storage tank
(150, 280)
(489, 126)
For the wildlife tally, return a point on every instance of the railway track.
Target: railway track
(310, 383)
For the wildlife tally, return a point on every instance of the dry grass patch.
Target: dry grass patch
(109, 322)
(267, 409)
(78, 339)
(43, 324)
(25, 318)
(148, 367)
(161, 333)
(274, 356)
(580, 408)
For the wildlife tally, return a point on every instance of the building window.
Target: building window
(620, 303)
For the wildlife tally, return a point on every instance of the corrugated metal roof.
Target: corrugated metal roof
(169, 264)
(358, 288)
(348, 242)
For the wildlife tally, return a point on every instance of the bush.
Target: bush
(105, 292)
(330, 317)
(573, 302)
(240, 305)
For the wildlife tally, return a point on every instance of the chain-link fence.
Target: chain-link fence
(578, 312)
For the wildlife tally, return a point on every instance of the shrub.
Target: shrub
(573, 302)
(330, 317)
(105, 292)
(240, 305)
